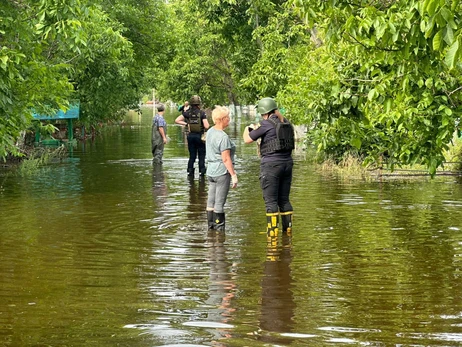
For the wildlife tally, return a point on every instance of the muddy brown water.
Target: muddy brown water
(103, 249)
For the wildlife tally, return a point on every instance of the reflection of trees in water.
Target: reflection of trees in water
(221, 283)
(277, 302)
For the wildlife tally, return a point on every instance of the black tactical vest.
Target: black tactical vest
(284, 141)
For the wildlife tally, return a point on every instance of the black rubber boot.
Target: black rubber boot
(219, 221)
(286, 219)
(210, 220)
(191, 172)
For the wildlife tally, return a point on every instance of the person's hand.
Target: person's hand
(165, 140)
(234, 180)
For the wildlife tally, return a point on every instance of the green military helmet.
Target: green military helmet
(195, 100)
(266, 105)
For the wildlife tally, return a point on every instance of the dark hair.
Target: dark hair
(160, 107)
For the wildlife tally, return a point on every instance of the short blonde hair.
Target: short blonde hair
(219, 113)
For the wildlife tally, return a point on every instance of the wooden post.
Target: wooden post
(70, 130)
(153, 103)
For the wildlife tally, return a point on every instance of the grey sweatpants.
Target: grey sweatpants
(218, 192)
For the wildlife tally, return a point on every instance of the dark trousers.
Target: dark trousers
(157, 145)
(196, 148)
(275, 182)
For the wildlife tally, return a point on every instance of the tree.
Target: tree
(128, 39)
(280, 41)
(217, 49)
(55, 52)
(34, 76)
(392, 83)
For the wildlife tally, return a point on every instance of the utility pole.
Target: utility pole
(153, 102)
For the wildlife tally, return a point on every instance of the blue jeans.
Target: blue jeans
(196, 147)
(275, 182)
(218, 192)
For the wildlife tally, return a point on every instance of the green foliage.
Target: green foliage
(54, 52)
(102, 74)
(201, 64)
(46, 130)
(147, 29)
(217, 50)
(37, 160)
(394, 93)
(31, 74)
(377, 80)
(280, 40)
(453, 155)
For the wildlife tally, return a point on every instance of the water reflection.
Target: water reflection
(94, 245)
(222, 284)
(277, 299)
(159, 186)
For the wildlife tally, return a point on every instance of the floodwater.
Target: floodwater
(103, 249)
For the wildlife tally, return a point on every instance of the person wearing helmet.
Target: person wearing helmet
(277, 142)
(158, 135)
(195, 120)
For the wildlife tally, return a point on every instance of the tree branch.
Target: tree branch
(455, 90)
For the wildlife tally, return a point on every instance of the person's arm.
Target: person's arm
(180, 120)
(246, 135)
(205, 121)
(226, 158)
(256, 134)
(162, 133)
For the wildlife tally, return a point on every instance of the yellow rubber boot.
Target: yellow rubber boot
(286, 220)
(272, 229)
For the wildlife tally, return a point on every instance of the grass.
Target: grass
(349, 167)
(352, 167)
(38, 158)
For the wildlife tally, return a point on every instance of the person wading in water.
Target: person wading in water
(196, 120)
(277, 143)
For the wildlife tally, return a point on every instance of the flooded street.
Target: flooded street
(103, 249)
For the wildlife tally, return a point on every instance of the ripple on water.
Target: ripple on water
(160, 330)
(298, 335)
(341, 340)
(206, 324)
